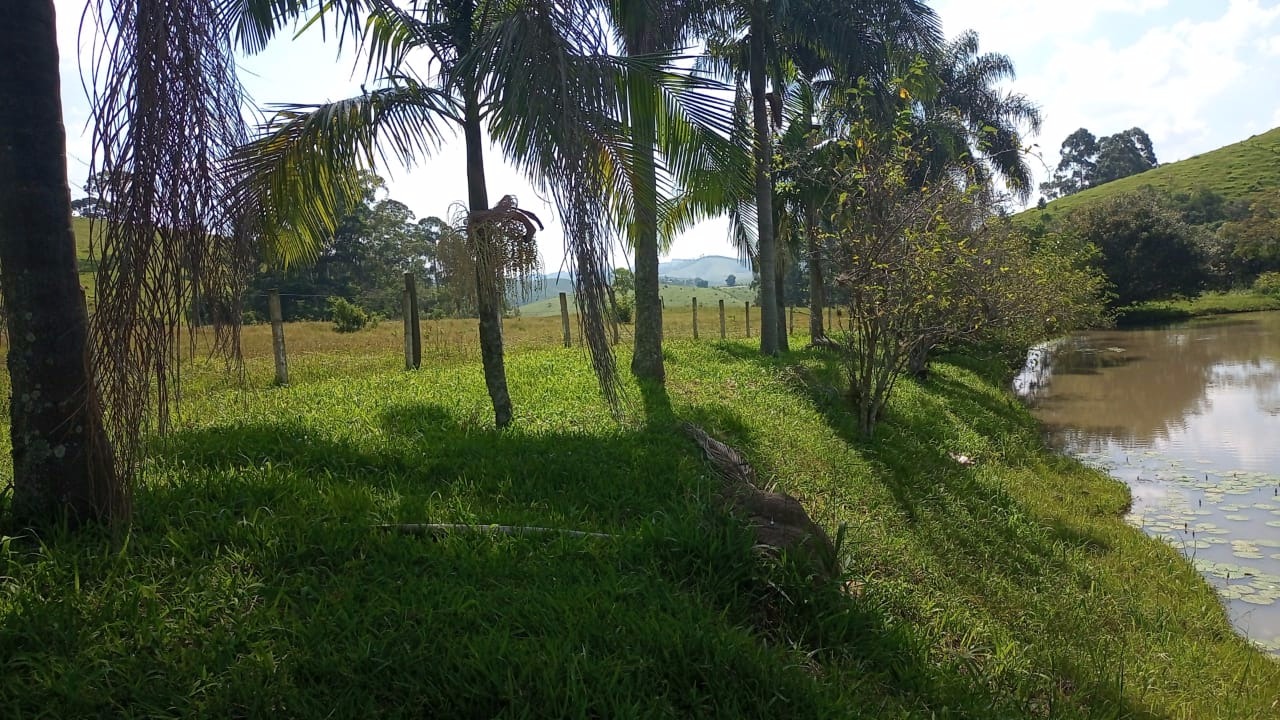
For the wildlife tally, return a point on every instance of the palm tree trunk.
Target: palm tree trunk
(488, 293)
(784, 343)
(764, 195)
(817, 299)
(647, 360)
(63, 468)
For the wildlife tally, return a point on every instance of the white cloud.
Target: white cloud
(1192, 85)
(1102, 64)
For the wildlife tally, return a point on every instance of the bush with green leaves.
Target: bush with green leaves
(624, 308)
(922, 260)
(1148, 251)
(347, 316)
(1268, 283)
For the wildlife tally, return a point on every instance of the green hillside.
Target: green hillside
(674, 296)
(1236, 172)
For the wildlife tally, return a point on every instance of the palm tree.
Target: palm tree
(761, 38)
(63, 468)
(691, 145)
(536, 74)
(970, 114)
(806, 154)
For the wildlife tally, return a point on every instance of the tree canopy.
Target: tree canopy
(1087, 161)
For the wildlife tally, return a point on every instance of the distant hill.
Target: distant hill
(1236, 172)
(673, 295)
(677, 276)
(712, 268)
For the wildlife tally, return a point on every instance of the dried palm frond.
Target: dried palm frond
(502, 244)
(167, 110)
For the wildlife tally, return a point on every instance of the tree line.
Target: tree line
(1087, 161)
(1154, 245)
(848, 140)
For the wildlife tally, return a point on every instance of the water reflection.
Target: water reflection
(1189, 416)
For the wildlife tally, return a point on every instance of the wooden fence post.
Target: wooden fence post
(695, 318)
(277, 337)
(406, 313)
(722, 318)
(564, 319)
(748, 318)
(415, 327)
(791, 320)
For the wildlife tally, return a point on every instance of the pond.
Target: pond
(1189, 417)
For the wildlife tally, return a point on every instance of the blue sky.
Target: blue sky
(1196, 74)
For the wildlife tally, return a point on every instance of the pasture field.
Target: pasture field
(674, 297)
(1208, 303)
(256, 579)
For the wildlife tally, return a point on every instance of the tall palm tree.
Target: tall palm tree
(970, 113)
(806, 154)
(535, 74)
(852, 39)
(63, 468)
(687, 138)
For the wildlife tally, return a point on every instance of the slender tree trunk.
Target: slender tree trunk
(63, 469)
(647, 361)
(780, 286)
(764, 194)
(817, 294)
(488, 294)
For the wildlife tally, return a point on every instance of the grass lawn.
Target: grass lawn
(255, 580)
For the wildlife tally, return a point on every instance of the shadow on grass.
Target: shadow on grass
(993, 545)
(254, 582)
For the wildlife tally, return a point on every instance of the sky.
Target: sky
(1195, 74)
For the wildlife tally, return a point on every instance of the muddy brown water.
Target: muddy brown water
(1189, 417)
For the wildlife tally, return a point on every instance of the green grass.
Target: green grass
(676, 297)
(254, 580)
(1209, 303)
(1236, 172)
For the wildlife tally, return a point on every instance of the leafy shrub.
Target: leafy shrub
(624, 308)
(1268, 283)
(347, 316)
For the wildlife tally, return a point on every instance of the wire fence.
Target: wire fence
(435, 340)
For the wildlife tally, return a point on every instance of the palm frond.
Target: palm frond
(167, 110)
(303, 170)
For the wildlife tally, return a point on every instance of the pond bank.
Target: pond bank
(1186, 415)
(1161, 312)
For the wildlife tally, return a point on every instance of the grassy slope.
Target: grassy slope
(675, 296)
(1208, 303)
(1235, 171)
(254, 581)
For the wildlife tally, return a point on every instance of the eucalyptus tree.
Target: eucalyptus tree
(755, 41)
(536, 74)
